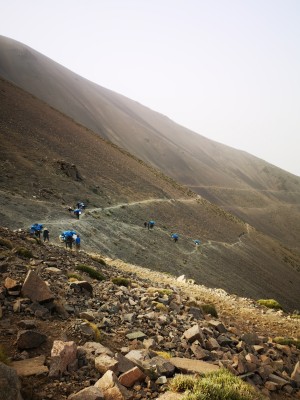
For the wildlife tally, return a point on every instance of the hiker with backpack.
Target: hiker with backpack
(69, 242)
(151, 224)
(36, 229)
(77, 213)
(46, 235)
(175, 237)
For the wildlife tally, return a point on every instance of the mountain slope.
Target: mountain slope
(49, 162)
(259, 193)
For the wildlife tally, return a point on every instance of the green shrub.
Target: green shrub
(162, 292)
(209, 309)
(182, 383)
(23, 252)
(121, 281)
(74, 277)
(6, 243)
(270, 303)
(217, 385)
(3, 356)
(287, 341)
(98, 259)
(93, 273)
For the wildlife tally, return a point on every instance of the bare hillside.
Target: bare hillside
(49, 162)
(259, 193)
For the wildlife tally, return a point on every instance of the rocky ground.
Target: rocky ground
(63, 333)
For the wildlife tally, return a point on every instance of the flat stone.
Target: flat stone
(277, 379)
(53, 271)
(30, 366)
(136, 335)
(89, 393)
(27, 324)
(193, 366)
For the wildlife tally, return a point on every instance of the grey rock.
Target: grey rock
(29, 339)
(9, 383)
(136, 335)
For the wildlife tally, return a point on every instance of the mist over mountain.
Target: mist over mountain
(55, 150)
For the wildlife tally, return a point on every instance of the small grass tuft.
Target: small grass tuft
(209, 309)
(99, 259)
(6, 243)
(23, 252)
(270, 303)
(119, 281)
(74, 277)
(182, 383)
(161, 292)
(295, 316)
(96, 331)
(287, 341)
(93, 273)
(3, 356)
(159, 306)
(164, 354)
(217, 385)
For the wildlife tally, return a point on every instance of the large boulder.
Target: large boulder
(36, 289)
(9, 383)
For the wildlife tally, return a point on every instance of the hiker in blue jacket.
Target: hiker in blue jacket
(77, 213)
(175, 237)
(77, 243)
(36, 229)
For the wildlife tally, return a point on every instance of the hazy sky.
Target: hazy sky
(228, 69)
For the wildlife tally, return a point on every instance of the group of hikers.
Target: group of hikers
(70, 238)
(150, 225)
(37, 229)
(77, 211)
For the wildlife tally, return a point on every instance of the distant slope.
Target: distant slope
(262, 194)
(49, 162)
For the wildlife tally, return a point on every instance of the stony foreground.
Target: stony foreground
(74, 337)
